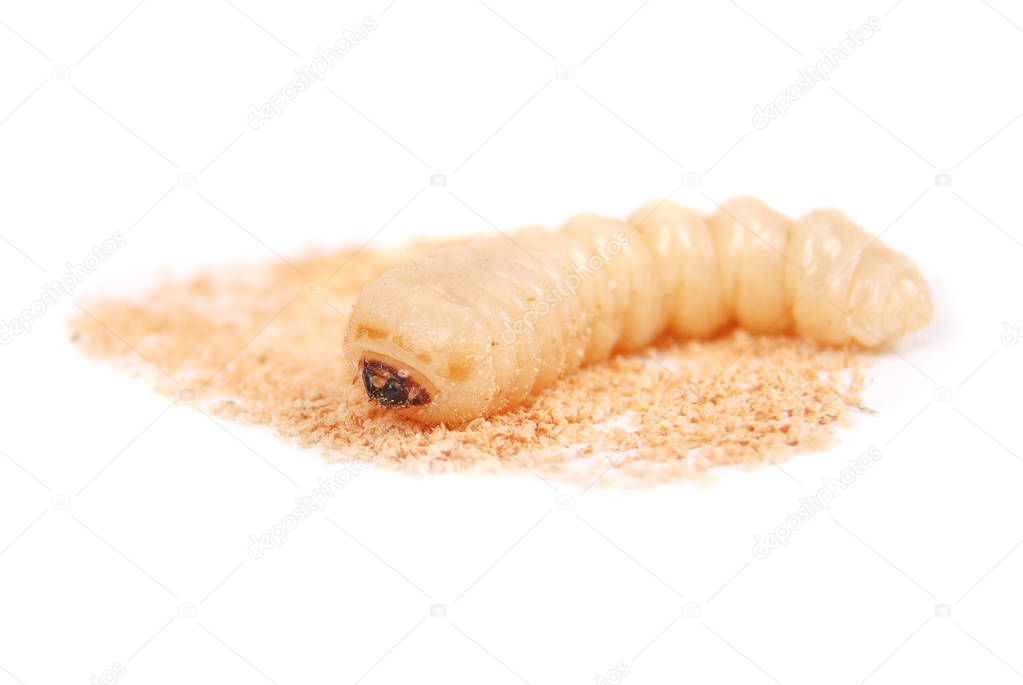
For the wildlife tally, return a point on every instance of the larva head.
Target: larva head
(419, 353)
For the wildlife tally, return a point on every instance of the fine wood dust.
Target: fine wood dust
(262, 345)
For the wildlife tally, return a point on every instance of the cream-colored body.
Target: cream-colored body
(482, 324)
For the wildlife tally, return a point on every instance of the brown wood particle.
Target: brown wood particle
(262, 344)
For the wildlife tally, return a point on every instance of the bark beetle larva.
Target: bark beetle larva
(473, 328)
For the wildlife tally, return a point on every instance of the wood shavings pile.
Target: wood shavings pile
(262, 344)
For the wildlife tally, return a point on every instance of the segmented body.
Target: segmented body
(474, 328)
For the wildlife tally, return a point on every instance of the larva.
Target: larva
(475, 327)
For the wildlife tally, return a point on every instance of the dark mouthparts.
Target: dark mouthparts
(389, 387)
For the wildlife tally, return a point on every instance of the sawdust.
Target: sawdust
(262, 344)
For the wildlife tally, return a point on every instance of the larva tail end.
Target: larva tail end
(910, 306)
(391, 387)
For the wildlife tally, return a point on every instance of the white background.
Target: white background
(126, 521)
